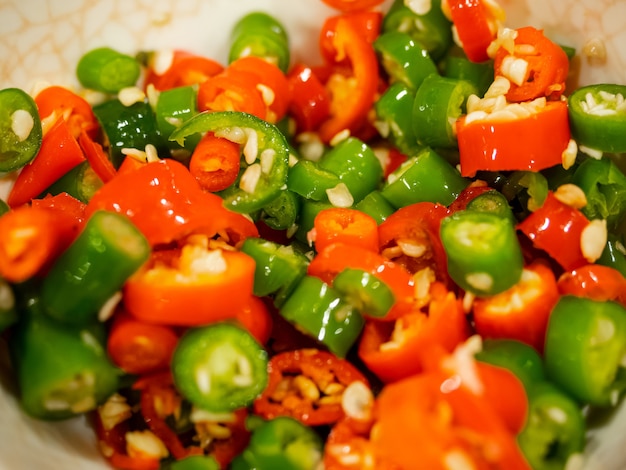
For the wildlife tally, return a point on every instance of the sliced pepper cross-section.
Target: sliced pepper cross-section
(265, 156)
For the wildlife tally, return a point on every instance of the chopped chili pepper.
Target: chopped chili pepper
(556, 228)
(58, 154)
(546, 68)
(62, 370)
(424, 177)
(597, 117)
(370, 296)
(138, 347)
(220, 367)
(483, 251)
(585, 345)
(185, 69)
(107, 70)
(530, 142)
(69, 106)
(282, 442)
(20, 129)
(215, 162)
(344, 225)
(352, 95)
(310, 101)
(594, 281)
(336, 257)
(522, 311)
(166, 203)
(410, 237)
(93, 268)
(307, 384)
(555, 429)
(97, 157)
(172, 288)
(266, 163)
(476, 26)
(320, 311)
(395, 350)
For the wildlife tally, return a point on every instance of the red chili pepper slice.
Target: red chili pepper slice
(307, 385)
(594, 281)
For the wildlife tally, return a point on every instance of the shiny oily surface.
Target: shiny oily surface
(42, 40)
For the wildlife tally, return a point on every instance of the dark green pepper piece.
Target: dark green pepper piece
(94, 267)
(272, 156)
(456, 65)
(432, 29)
(356, 165)
(439, 101)
(261, 35)
(80, 182)
(393, 117)
(62, 370)
(604, 185)
(424, 177)
(613, 255)
(585, 349)
(484, 254)
(131, 126)
(306, 219)
(282, 212)
(364, 291)
(404, 60)
(279, 268)
(520, 358)
(107, 70)
(492, 201)
(195, 462)
(320, 311)
(309, 180)
(554, 430)
(598, 116)
(219, 367)
(376, 206)
(281, 443)
(20, 129)
(173, 108)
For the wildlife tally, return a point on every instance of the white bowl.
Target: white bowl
(43, 39)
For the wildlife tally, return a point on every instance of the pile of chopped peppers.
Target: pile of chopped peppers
(408, 255)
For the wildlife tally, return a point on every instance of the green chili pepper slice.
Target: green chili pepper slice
(393, 117)
(597, 117)
(94, 267)
(492, 201)
(456, 65)
(356, 165)
(484, 254)
(133, 127)
(219, 367)
(320, 311)
(554, 430)
(520, 358)
(439, 101)
(431, 29)
(309, 180)
(281, 443)
(365, 291)
(62, 370)
(267, 162)
(195, 462)
(604, 185)
(173, 108)
(80, 182)
(585, 349)
(424, 177)
(278, 269)
(376, 206)
(107, 70)
(403, 59)
(20, 129)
